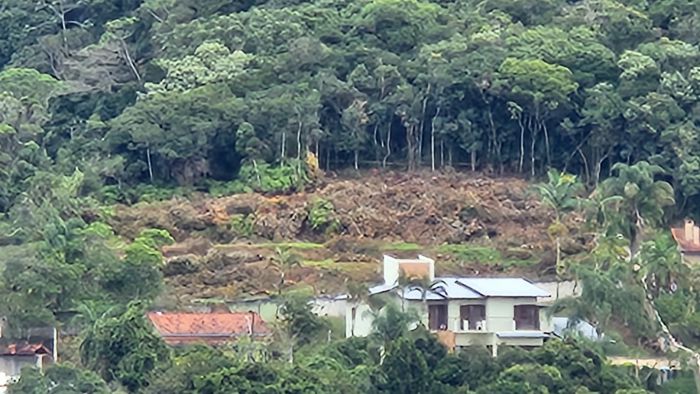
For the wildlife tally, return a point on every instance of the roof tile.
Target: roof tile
(207, 325)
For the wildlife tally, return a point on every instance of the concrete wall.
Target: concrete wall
(12, 365)
(499, 314)
(363, 320)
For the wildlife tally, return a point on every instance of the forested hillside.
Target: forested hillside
(170, 93)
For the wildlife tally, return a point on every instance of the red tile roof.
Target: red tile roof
(215, 327)
(685, 245)
(23, 349)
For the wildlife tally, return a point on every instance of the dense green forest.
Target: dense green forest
(186, 93)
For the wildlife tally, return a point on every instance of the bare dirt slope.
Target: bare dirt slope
(470, 222)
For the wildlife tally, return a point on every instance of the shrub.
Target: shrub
(242, 225)
(274, 178)
(322, 216)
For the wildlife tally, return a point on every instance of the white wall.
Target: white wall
(12, 365)
(499, 314)
(363, 320)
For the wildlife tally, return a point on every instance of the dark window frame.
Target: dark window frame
(527, 317)
(437, 317)
(474, 313)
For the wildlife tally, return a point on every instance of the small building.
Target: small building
(461, 311)
(213, 328)
(18, 354)
(688, 240)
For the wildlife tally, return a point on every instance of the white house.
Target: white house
(36, 349)
(464, 311)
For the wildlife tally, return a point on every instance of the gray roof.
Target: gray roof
(471, 288)
(503, 287)
(452, 287)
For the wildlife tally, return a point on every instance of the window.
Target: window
(527, 317)
(474, 315)
(437, 317)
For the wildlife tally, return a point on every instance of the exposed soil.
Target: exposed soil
(375, 213)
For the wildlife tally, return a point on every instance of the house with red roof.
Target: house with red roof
(688, 240)
(35, 351)
(212, 328)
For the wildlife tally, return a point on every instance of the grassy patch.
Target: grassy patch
(401, 247)
(472, 253)
(292, 245)
(300, 290)
(483, 255)
(327, 263)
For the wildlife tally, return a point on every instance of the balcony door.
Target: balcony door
(437, 317)
(527, 317)
(473, 315)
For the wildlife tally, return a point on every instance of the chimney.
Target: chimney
(431, 266)
(688, 230)
(696, 235)
(391, 270)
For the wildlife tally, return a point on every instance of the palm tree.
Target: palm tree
(560, 195)
(424, 285)
(661, 266)
(643, 202)
(284, 261)
(357, 294)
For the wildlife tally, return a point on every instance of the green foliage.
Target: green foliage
(232, 96)
(406, 369)
(273, 179)
(60, 378)
(242, 225)
(123, 347)
(300, 322)
(321, 216)
(138, 275)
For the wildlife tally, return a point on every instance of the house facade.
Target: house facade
(37, 348)
(462, 311)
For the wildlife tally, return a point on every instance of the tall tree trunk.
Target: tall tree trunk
(422, 125)
(432, 140)
(283, 149)
(150, 165)
(411, 154)
(374, 141)
(472, 159)
(357, 154)
(299, 149)
(546, 143)
(388, 146)
(533, 135)
(494, 134)
(522, 144)
(442, 153)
